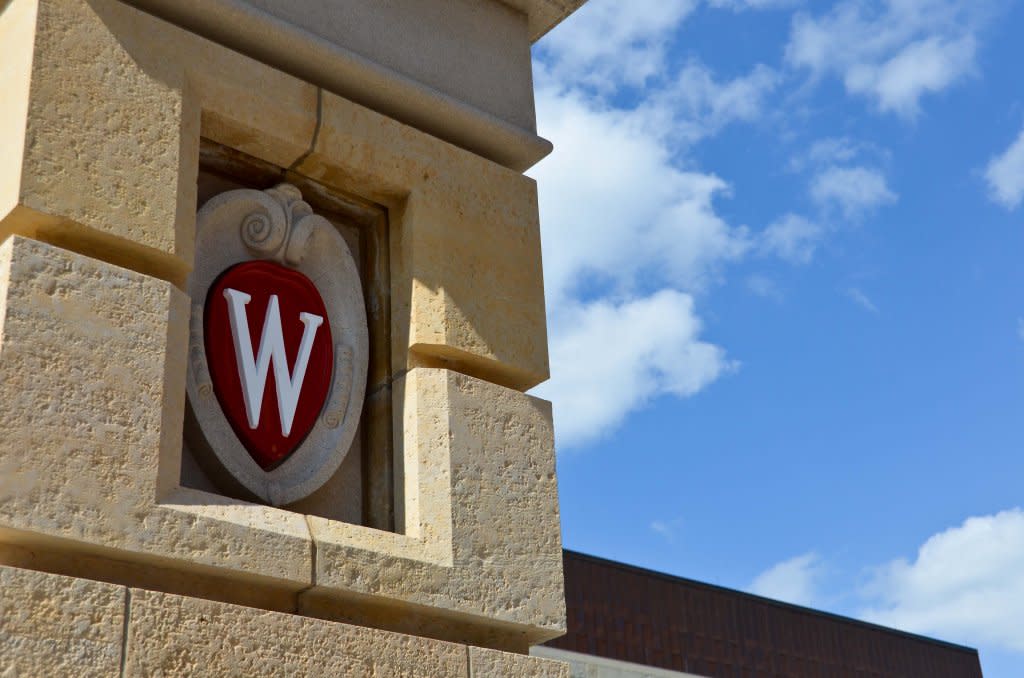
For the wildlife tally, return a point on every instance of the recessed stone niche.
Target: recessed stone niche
(361, 490)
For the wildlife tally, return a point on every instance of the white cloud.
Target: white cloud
(842, 186)
(966, 584)
(858, 297)
(630, 229)
(794, 581)
(614, 205)
(609, 359)
(1005, 175)
(619, 219)
(891, 51)
(609, 43)
(792, 238)
(854, 190)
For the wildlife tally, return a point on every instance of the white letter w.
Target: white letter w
(253, 370)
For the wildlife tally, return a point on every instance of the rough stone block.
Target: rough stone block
(176, 636)
(104, 116)
(59, 626)
(484, 663)
(103, 144)
(92, 367)
(481, 545)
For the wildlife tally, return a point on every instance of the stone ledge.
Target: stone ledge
(179, 636)
(56, 625)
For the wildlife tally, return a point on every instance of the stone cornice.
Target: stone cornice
(242, 27)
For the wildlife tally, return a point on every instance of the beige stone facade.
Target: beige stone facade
(117, 566)
(65, 626)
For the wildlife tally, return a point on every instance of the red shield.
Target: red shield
(259, 315)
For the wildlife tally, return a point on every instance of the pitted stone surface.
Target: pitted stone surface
(103, 144)
(484, 663)
(59, 626)
(92, 357)
(114, 112)
(465, 247)
(92, 368)
(482, 540)
(177, 636)
(111, 111)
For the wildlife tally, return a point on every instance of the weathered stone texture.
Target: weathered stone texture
(485, 663)
(91, 398)
(482, 540)
(104, 145)
(505, 500)
(112, 102)
(58, 626)
(176, 636)
(116, 100)
(103, 121)
(465, 243)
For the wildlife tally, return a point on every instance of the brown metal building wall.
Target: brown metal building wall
(635, 615)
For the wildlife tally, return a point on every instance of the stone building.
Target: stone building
(270, 300)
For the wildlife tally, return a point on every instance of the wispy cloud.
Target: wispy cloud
(858, 297)
(845, 182)
(892, 52)
(740, 5)
(854, 191)
(764, 287)
(794, 581)
(792, 238)
(667, 529)
(1005, 175)
(610, 44)
(694, 104)
(836, 151)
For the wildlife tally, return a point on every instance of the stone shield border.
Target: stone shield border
(277, 225)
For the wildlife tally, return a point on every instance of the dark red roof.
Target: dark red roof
(627, 613)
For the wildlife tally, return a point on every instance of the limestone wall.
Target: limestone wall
(62, 626)
(111, 563)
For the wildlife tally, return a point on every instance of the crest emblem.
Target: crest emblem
(270, 376)
(278, 347)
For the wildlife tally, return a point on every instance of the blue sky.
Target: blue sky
(783, 247)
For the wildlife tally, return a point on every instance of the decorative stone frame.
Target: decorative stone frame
(243, 225)
(477, 552)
